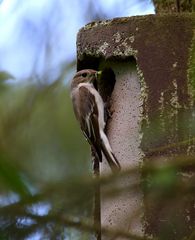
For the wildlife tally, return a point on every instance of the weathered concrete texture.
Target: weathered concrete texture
(164, 49)
(124, 37)
(119, 211)
(171, 6)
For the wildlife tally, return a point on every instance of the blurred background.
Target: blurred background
(43, 155)
(38, 37)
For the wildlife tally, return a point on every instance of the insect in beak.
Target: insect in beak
(98, 74)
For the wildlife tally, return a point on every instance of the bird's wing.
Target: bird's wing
(88, 117)
(108, 153)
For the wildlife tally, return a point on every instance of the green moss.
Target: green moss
(144, 95)
(141, 19)
(109, 22)
(191, 69)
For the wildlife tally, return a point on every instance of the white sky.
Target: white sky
(38, 36)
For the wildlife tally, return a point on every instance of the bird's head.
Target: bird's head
(85, 76)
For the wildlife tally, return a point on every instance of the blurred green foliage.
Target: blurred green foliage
(43, 157)
(46, 184)
(191, 68)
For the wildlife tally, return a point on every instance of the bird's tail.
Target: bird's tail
(109, 155)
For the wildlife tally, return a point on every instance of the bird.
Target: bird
(89, 110)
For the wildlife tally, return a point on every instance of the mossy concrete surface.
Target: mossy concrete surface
(164, 49)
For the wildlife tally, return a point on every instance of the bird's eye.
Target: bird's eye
(84, 75)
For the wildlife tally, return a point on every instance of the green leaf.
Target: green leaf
(11, 177)
(5, 76)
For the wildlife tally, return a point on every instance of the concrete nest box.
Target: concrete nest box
(148, 84)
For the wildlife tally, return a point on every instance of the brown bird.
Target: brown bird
(89, 111)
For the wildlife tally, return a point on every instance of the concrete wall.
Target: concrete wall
(153, 59)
